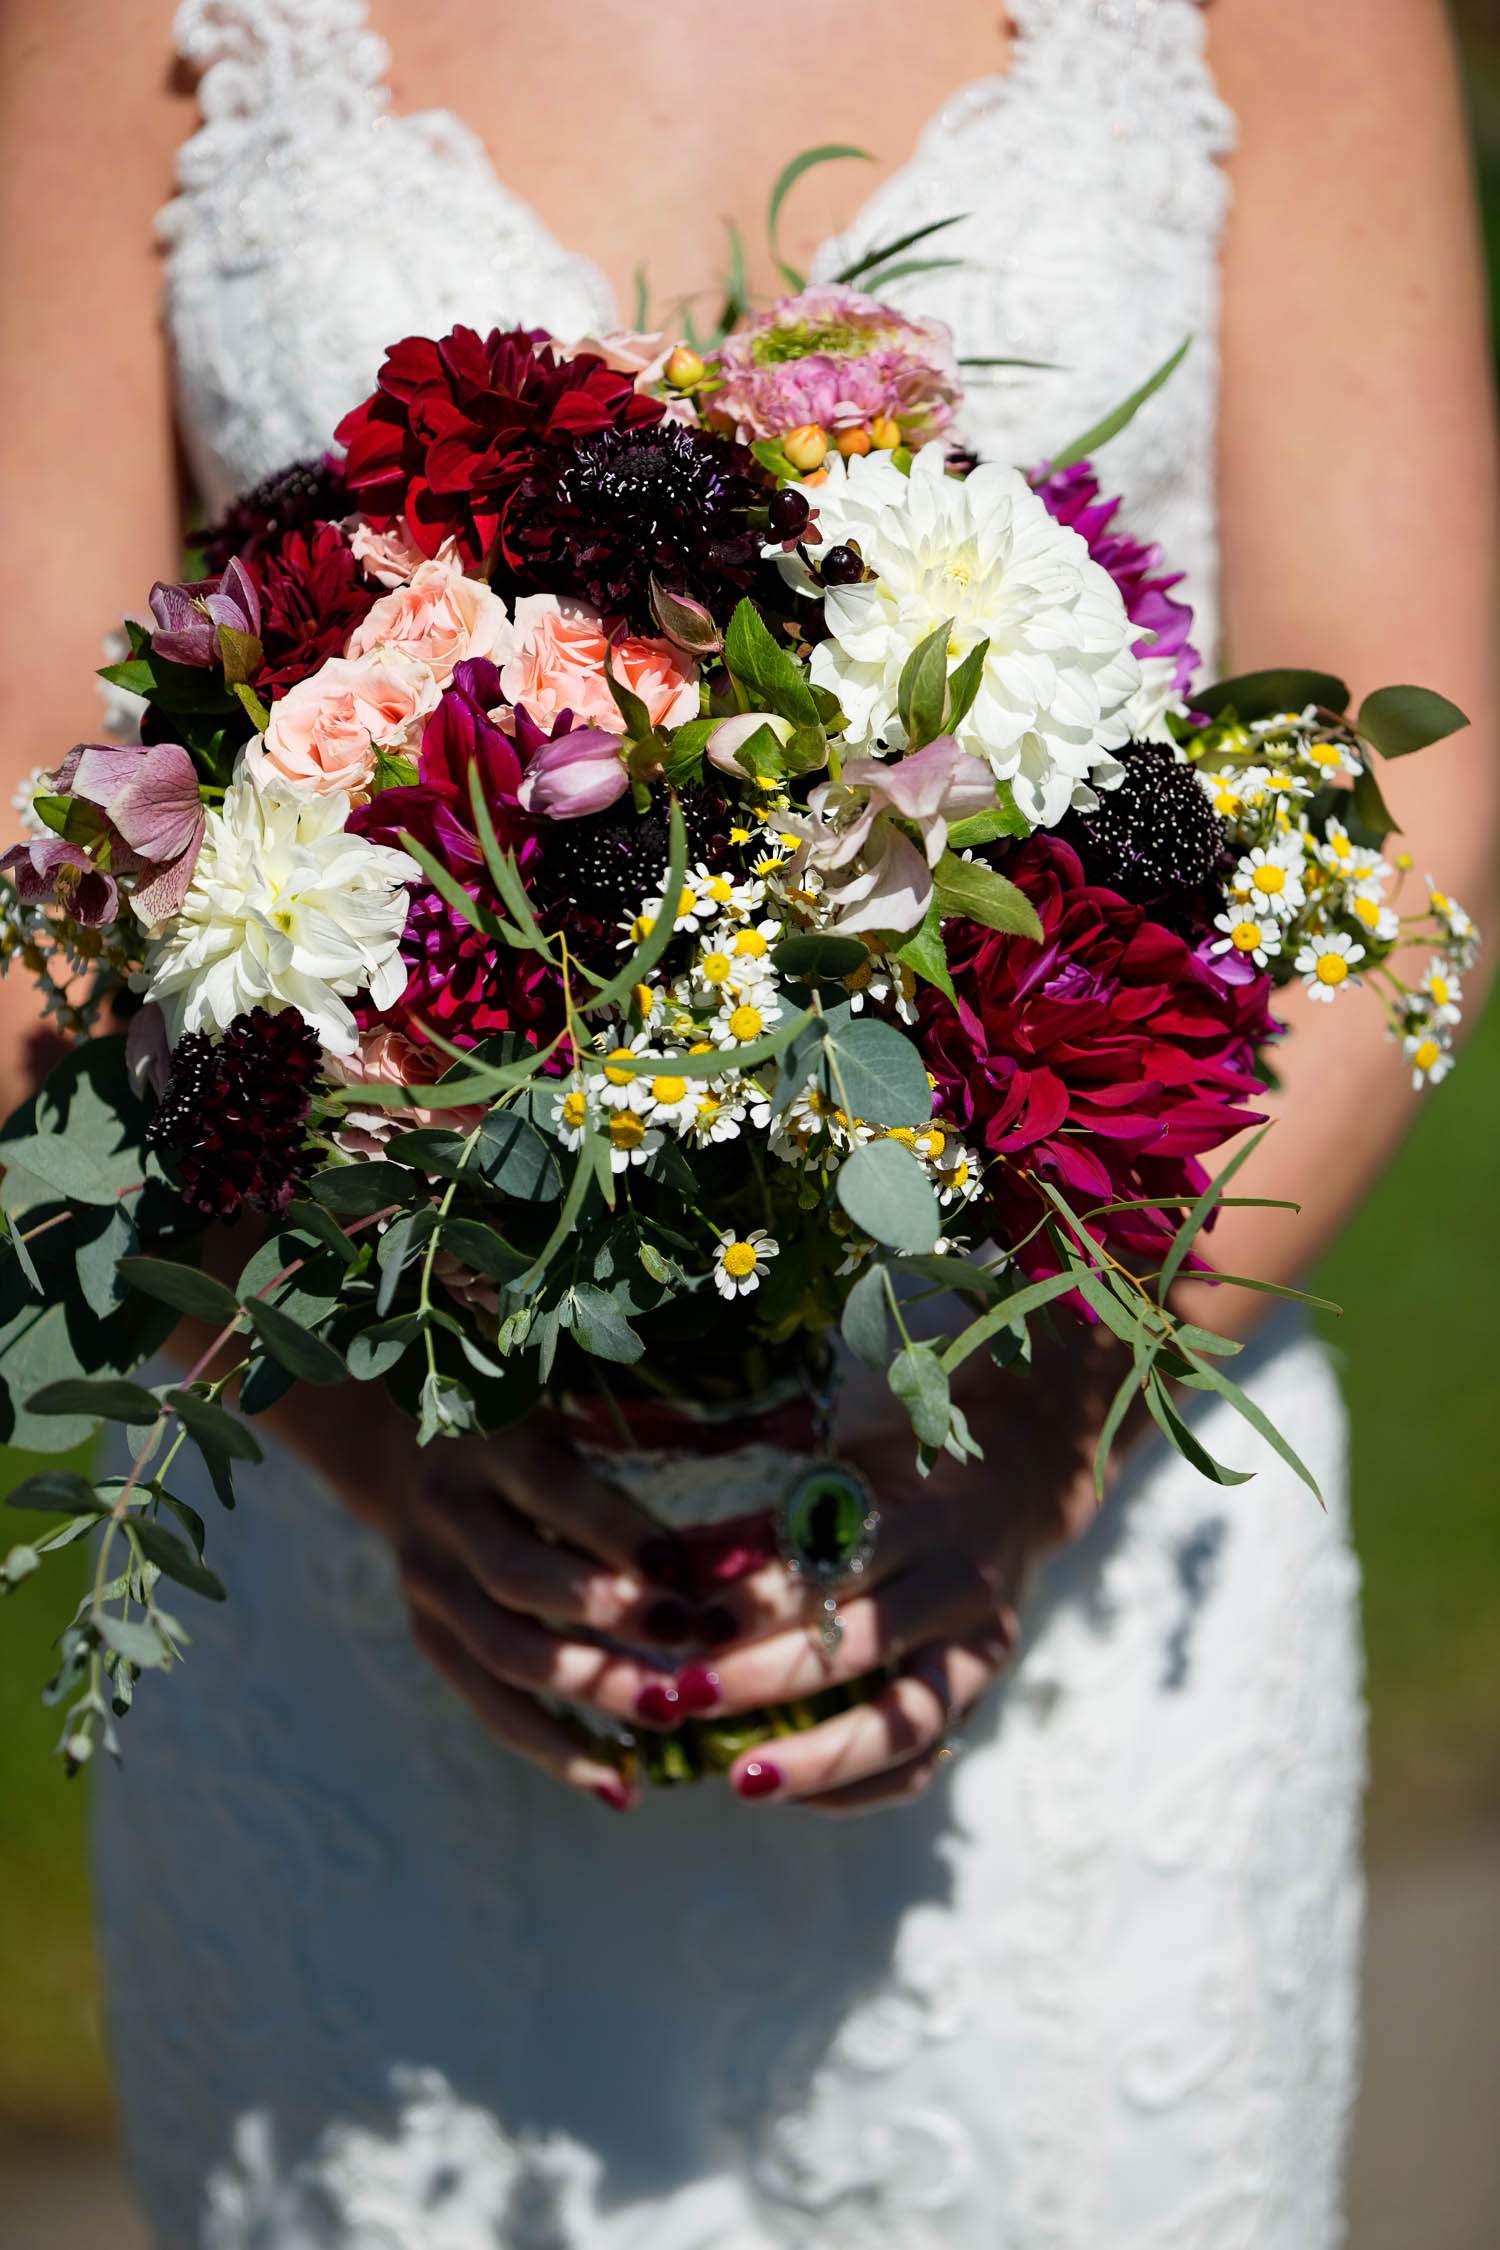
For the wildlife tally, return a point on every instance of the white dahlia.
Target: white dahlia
(285, 910)
(984, 551)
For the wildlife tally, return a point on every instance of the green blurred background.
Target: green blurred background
(1419, 1348)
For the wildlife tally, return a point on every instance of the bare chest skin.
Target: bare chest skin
(636, 131)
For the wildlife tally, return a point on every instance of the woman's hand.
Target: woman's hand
(938, 1601)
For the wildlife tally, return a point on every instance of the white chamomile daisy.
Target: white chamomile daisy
(631, 1140)
(1252, 935)
(734, 896)
(1444, 992)
(694, 908)
(570, 1115)
(883, 982)
(612, 1081)
(812, 1111)
(1451, 918)
(1365, 873)
(741, 1020)
(1378, 920)
(741, 1260)
(1270, 881)
(1222, 790)
(753, 942)
(669, 1100)
(1431, 1058)
(1326, 963)
(957, 1177)
(717, 1117)
(1333, 760)
(1337, 850)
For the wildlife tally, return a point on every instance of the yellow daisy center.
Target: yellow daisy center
(641, 928)
(687, 904)
(626, 1130)
(1367, 911)
(574, 1110)
(902, 1133)
(1332, 968)
(931, 1142)
(1439, 988)
(752, 943)
(645, 999)
(1340, 846)
(1427, 1054)
(746, 1022)
(714, 968)
(1245, 936)
(1270, 880)
(739, 1260)
(709, 1106)
(617, 1067)
(719, 889)
(668, 1089)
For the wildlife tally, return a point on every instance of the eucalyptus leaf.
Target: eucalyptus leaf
(136, 1640)
(305, 1356)
(515, 1160)
(875, 1073)
(865, 1325)
(174, 1560)
(358, 1191)
(886, 1193)
(56, 1492)
(103, 1398)
(1179, 1435)
(213, 1429)
(1267, 695)
(185, 1288)
(597, 1323)
(920, 1381)
(819, 958)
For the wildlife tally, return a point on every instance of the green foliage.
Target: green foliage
(828, 152)
(1084, 448)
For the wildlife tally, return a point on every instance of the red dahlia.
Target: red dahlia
(455, 425)
(311, 598)
(1108, 1059)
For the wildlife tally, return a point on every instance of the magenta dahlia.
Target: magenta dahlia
(1072, 496)
(1107, 1060)
(455, 425)
(459, 981)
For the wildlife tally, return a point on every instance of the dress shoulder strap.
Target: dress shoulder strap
(1128, 62)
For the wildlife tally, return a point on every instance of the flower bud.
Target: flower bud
(805, 446)
(885, 433)
(574, 775)
(853, 441)
(684, 368)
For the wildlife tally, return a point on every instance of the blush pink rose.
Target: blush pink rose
(324, 732)
(388, 1058)
(555, 663)
(390, 556)
(439, 618)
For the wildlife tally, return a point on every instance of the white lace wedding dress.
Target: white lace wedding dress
(376, 1985)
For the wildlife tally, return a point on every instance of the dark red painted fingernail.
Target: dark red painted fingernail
(615, 1795)
(660, 1705)
(758, 1778)
(698, 1689)
(717, 1625)
(670, 1621)
(665, 1562)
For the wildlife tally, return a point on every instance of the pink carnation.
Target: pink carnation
(840, 359)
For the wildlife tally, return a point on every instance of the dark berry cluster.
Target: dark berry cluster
(601, 869)
(233, 1114)
(1156, 839)
(310, 492)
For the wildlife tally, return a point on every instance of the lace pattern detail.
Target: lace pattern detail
(385, 1988)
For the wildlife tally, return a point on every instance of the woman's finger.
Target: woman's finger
(950, 1596)
(548, 1483)
(514, 1649)
(519, 1569)
(518, 1720)
(879, 1750)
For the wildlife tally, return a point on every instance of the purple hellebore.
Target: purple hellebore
(49, 872)
(149, 797)
(188, 617)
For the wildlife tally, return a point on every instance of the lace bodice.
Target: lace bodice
(381, 1987)
(301, 242)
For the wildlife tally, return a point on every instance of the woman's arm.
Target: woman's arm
(88, 125)
(1360, 517)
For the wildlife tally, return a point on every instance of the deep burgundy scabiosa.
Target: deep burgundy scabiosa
(233, 1114)
(312, 595)
(603, 515)
(1135, 565)
(459, 982)
(454, 426)
(1108, 1060)
(308, 493)
(591, 873)
(1156, 839)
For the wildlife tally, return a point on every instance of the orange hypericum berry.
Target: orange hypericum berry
(806, 446)
(853, 441)
(885, 433)
(684, 368)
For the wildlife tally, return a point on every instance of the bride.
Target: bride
(382, 1968)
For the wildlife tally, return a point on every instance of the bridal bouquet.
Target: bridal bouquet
(642, 861)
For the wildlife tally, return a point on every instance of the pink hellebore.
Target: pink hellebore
(571, 773)
(188, 617)
(876, 877)
(148, 794)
